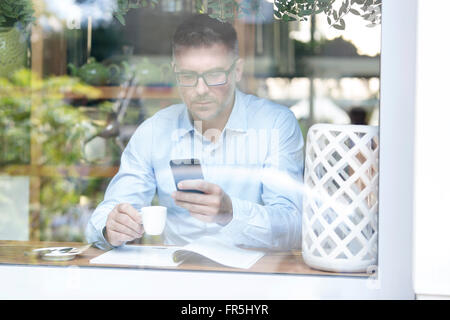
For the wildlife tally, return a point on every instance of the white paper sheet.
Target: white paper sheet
(161, 256)
(149, 256)
(222, 253)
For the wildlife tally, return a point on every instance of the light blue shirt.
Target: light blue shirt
(257, 160)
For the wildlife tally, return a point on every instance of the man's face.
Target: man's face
(208, 102)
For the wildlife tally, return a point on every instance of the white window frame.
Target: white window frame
(394, 281)
(432, 153)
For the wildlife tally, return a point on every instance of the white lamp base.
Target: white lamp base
(338, 265)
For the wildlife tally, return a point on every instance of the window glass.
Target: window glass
(267, 111)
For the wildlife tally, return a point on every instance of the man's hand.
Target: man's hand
(124, 224)
(212, 206)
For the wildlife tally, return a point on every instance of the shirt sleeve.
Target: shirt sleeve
(276, 223)
(134, 183)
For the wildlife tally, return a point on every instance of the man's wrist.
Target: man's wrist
(105, 237)
(235, 225)
(225, 218)
(104, 234)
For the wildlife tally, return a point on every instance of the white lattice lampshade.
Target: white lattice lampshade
(340, 210)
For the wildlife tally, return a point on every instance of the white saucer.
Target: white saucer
(56, 254)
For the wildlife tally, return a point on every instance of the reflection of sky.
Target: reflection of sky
(367, 40)
(99, 10)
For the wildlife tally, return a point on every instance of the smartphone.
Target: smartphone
(186, 169)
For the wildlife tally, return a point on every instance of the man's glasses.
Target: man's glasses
(211, 78)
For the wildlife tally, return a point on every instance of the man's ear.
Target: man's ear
(239, 68)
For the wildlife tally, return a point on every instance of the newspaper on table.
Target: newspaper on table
(172, 256)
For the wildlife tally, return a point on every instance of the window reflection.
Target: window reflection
(93, 75)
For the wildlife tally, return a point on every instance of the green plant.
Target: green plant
(335, 10)
(14, 12)
(55, 124)
(36, 111)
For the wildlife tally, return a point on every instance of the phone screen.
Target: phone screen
(186, 169)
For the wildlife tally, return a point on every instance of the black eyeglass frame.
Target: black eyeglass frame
(202, 75)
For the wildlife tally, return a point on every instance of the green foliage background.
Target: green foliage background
(33, 110)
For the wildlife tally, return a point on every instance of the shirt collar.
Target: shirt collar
(236, 122)
(238, 117)
(185, 123)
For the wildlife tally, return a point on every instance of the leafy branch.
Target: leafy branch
(21, 11)
(335, 10)
(285, 10)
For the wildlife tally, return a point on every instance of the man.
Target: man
(250, 151)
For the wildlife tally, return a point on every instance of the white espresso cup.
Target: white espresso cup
(154, 219)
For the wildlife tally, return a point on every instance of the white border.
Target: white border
(395, 221)
(432, 192)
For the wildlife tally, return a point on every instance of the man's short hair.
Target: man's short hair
(200, 30)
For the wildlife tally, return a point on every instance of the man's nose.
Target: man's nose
(201, 87)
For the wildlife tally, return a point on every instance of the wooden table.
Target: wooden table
(289, 262)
